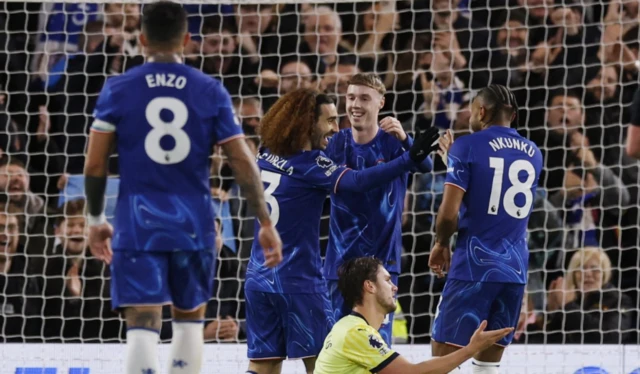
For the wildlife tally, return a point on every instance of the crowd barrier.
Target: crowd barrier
(231, 359)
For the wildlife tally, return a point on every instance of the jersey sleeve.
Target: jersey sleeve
(323, 173)
(226, 126)
(105, 113)
(365, 347)
(458, 165)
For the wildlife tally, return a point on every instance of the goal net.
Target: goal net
(572, 65)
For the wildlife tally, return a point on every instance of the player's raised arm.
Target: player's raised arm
(363, 180)
(393, 127)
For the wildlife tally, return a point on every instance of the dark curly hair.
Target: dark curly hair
(289, 123)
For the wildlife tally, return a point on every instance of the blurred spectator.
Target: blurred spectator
(76, 286)
(222, 58)
(20, 300)
(585, 307)
(249, 110)
(336, 82)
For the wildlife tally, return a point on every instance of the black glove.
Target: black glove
(423, 145)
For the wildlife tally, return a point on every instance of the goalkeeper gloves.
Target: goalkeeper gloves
(424, 145)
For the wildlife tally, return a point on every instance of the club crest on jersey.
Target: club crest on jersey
(323, 162)
(375, 343)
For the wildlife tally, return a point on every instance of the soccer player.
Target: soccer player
(369, 223)
(355, 345)
(490, 185)
(164, 118)
(288, 311)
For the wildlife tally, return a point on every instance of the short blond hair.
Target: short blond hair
(581, 257)
(369, 80)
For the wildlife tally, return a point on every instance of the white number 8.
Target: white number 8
(517, 187)
(161, 128)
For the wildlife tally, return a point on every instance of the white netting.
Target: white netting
(573, 66)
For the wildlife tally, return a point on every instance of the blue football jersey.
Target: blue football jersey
(166, 117)
(499, 170)
(295, 190)
(366, 224)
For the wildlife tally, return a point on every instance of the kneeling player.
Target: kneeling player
(164, 117)
(491, 179)
(288, 310)
(355, 345)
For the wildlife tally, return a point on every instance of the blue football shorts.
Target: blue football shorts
(464, 305)
(182, 278)
(288, 325)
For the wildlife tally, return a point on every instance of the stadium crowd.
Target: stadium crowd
(572, 64)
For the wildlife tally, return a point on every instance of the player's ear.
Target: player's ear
(186, 40)
(142, 39)
(381, 101)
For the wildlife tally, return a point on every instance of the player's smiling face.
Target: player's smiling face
(386, 290)
(363, 105)
(326, 126)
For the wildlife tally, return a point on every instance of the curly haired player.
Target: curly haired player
(288, 311)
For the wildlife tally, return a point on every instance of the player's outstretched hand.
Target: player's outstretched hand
(271, 245)
(482, 340)
(424, 145)
(440, 259)
(100, 241)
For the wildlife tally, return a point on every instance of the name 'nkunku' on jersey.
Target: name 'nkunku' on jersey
(167, 117)
(499, 170)
(366, 223)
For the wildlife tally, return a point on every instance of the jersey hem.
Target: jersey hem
(479, 281)
(454, 185)
(335, 188)
(102, 126)
(385, 363)
(306, 291)
(233, 137)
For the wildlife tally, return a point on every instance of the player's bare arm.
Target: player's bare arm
(246, 173)
(446, 226)
(95, 172)
(480, 341)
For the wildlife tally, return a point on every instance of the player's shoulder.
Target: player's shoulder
(388, 141)
(351, 325)
(342, 136)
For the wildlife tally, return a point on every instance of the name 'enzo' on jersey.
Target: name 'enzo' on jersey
(165, 80)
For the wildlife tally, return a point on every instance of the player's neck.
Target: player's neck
(163, 56)
(371, 314)
(365, 135)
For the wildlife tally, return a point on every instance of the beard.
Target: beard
(389, 307)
